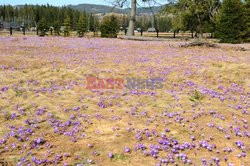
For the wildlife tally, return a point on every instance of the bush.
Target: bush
(109, 27)
(232, 22)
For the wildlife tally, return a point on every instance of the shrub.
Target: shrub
(109, 27)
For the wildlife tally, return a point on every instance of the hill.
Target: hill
(92, 8)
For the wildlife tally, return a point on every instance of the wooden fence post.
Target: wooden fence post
(10, 30)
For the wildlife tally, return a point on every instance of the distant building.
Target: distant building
(7, 25)
(151, 30)
(62, 28)
(33, 29)
(1, 25)
(138, 29)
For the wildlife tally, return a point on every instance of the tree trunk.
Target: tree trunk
(200, 34)
(131, 27)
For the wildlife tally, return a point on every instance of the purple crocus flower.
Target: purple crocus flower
(127, 150)
(102, 105)
(5, 88)
(110, 155)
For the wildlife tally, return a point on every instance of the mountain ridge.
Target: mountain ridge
(103, 9)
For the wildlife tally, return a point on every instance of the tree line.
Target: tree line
(46, 16)
(227, 20)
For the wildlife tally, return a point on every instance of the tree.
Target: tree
(189, 23)
(131, 27)
(93, 23)
(246, 36)
(66, 25)
(164, 23)
(32, 14)
(177, 23)
(96, 26)
(232, 23)
(132, 18)
(124, 21)
(176, 16)
(214, 6)
(57, 27)
(42, 27)
(109, 27)
(194, 15)
(82, 25)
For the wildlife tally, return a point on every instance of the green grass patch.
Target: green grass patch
(217, 65)
(119, 157)
(196, 96)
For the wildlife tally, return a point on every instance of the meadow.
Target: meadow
(49, 117)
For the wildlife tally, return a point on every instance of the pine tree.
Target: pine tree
(57, 27)
(42, 27)
(91, 22)
(66, 25)
(96, 26)
(246, 36)
(82, 25)
(109, 27)
(232, 24)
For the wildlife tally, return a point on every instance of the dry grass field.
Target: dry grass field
(49, 117)
(183, 35)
